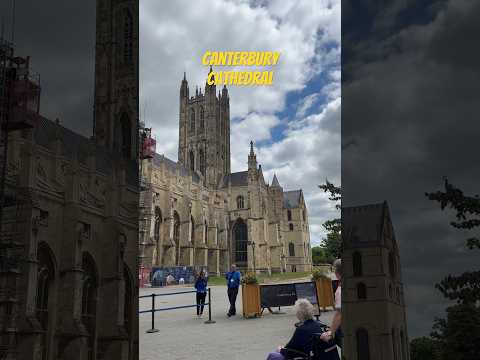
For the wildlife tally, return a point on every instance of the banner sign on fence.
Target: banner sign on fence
(158, 275)
(307, 291)
(278, 295)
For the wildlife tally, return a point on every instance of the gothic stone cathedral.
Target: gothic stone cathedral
(197, 212)
(72, 214)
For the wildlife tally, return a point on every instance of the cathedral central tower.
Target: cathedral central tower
(204, 132)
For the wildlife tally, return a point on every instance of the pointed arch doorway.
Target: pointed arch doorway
(240, 244)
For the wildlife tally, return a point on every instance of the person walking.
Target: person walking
(233, 283)
(201, 287)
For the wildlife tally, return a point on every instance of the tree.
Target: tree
(424, 348)
(466, 287)
(458, 335)
(332, 244)
(319, 256)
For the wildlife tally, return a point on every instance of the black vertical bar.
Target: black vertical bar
(153, 330)
(209, 321)
(153, 311)
(318, 300)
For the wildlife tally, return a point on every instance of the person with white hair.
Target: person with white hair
(302, 337)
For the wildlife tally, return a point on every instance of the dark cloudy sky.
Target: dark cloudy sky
(60, 38)
(410, 110)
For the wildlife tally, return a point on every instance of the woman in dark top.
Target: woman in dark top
(201, 287)
(302, 337)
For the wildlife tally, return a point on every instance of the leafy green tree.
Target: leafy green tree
(464, 288)
(424, 348)
(458, 335)
(332, 244)
(318, 255)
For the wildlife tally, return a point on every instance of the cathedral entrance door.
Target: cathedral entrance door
(240, 240)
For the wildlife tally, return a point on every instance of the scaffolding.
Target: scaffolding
(148, 147)
(19, 109)
(19, 105)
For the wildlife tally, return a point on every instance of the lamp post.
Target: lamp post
(252, 243)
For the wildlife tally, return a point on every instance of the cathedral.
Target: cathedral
(69, 224)
(196, 212)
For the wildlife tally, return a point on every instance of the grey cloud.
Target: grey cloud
(60, 38)
(412, 113)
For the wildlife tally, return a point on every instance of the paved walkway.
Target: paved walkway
(182, 336)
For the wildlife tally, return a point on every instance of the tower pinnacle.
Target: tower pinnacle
(275, 182)
(252, 159)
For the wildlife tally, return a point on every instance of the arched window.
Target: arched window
(158, 222)
(89, 301)
(357, 264)
(202, 119)
(361, 291)
(129, 319)
(202, 162)
(192, 161)
(394, 345)
(176, 235)
(390, 291)
(240, 236)
(391, 264)
(192, 122)
(240, 202)
(363, 348)
(291, 249)
(304, 215)
(45, 279)
(205, 229)
(128, 38)
(289, 215)
(123, 136)
(403, 345)
(290, 227)
(192, 231)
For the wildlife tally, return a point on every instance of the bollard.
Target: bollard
(153, 330)
(209, 321)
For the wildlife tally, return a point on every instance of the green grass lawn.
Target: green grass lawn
(264, 278)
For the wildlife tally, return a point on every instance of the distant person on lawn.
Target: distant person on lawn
(233, 283)
(201, 287)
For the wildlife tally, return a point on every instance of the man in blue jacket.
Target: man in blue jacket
(233, 282)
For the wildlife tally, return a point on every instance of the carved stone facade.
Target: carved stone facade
(196, 212)
(373, 305)
(72, 217)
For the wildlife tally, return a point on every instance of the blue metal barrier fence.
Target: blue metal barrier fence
(153, 310)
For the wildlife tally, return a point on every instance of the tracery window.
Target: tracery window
(192, 122)
(240, 202)
(357, 264)
(291, 249)
(158, 222)
(128, 38)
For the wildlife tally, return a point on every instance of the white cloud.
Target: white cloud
(173, 37)
(306, 104)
